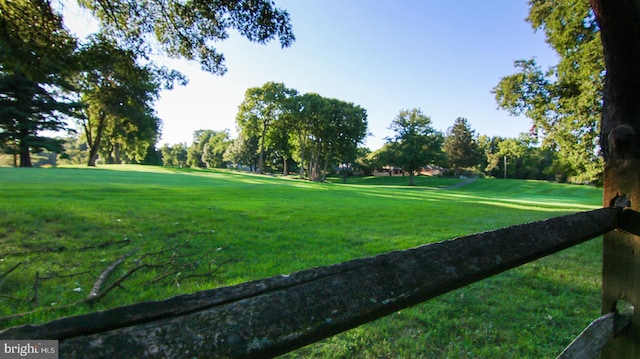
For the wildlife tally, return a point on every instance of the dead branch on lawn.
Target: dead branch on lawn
(172, 263)
(95, 290)
(5, 275)
(116, 283)
(10, 270)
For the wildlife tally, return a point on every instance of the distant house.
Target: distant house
(398, 171)
(388, 171)
(431, 170)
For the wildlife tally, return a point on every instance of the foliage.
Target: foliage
(119, 94)
(242, 151)
(26, 109)
(36, 53)
(335, 128)
(309, 115)
(313, 131)
(261, 108)
(214, 150)
(521, 158)
(39, 57)
(190, 29)
(269, 226)
(415, 143)
(362, 164)
(75, 151)
(174, 156)
(461, 146)
(565, 102)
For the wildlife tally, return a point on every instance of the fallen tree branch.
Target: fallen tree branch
(95, 290)
(175, 266)
(117, 283)
(5, 275)
(10, 270)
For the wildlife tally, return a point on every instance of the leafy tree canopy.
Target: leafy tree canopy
(565, 101)
(36, 61)
(261, 108)
(416, 143)
(119, 94)
(190, 29)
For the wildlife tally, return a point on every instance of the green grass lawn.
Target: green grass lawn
(54, 221)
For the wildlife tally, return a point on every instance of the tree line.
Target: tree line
(280, 130)
(103, 88)
(310, 136)
(461, 151)
(563, 101)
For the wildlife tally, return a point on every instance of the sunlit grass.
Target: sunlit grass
(266, 226)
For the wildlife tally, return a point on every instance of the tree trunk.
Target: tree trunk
(25, 157)
(619, 22)
(25, 153)
(95, 145)
(302, 148)
(261, 154)
(116, 154)
(312, 164)
(284, 166)
(323, 173)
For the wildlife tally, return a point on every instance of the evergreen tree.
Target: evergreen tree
(461, 146)
(36, 57)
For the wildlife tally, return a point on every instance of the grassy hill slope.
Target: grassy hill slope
(78, 221)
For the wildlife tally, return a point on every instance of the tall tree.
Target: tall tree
(461, 145)
(119, 94)
(260, 109)
(415, 143)
(348, 128)
(281, 142)
(563, 102)
(26, 109)
(190, 29)
(36, 60)
(215, 148)
(309, 111)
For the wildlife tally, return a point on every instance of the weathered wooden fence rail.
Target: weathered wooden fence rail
(276, 315)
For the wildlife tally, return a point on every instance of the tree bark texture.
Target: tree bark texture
(619, 22)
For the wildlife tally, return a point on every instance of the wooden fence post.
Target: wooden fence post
(619, 22)
(621, 259)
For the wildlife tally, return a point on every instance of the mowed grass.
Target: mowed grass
(52, 222)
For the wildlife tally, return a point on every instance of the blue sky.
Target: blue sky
(443, 57)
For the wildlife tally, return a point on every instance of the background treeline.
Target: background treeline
(281, 131)
(324, 135)
(102, 89)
